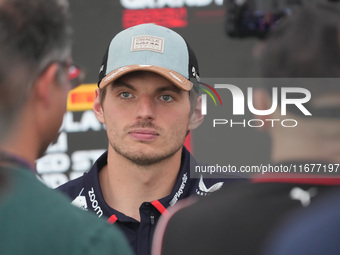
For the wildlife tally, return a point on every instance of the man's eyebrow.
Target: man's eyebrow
(172, 88)
(119, 83)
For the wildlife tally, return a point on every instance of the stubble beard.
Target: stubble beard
(142, 157)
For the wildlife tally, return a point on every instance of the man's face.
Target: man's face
(146, 116)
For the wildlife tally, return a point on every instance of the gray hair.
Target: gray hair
(33, 34)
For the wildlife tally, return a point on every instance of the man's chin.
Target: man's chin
(147, 158)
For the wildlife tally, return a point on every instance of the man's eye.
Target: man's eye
(166, 98)
(125, 95)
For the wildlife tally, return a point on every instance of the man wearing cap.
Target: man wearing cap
(148, 100)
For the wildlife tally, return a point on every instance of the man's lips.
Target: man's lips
(146, 135)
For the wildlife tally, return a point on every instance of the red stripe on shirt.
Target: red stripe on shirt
(112, 219)
(159, 207)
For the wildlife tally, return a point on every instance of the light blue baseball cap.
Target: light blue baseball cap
(149, 47)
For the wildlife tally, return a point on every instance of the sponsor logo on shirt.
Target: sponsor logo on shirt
(94, 203)
(202, 190)
(180, 190)
(80, 201)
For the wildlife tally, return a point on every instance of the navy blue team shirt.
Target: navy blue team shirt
(85, 192)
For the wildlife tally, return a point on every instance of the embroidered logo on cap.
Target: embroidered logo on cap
(147, 42)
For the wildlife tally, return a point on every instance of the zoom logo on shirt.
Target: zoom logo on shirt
(94, 203)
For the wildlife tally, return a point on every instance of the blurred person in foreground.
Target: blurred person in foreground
(312, 231)
(35, 77)
(148, 100)
(239, 218)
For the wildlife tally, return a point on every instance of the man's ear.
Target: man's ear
(196, 118)
(43, 84)
(97, 107)
(262, 101)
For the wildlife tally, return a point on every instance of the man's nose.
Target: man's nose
(146, 107)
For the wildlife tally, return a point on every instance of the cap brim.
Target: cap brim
(176, 78)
